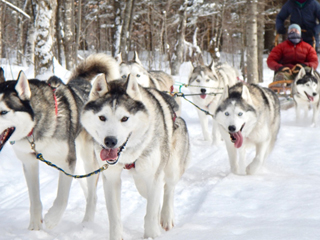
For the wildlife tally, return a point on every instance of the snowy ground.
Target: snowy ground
(280, 202)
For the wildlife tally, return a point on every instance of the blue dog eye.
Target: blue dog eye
(3, 112)
(226, 113)
(240, 114)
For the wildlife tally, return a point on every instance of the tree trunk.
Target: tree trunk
(31, 35)
(116, 30)
(1, 27)
(59, 38)
(260, 26)
(44, 25)
(252, 43)
(76, 47)
(68, 36)
(125, 30)
(177, 57)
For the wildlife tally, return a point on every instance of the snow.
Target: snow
(279, 202)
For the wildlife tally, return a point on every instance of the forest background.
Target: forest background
(34, 32)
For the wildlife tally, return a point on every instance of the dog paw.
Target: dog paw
(167, 225)
(152, 232)
(252, 168)
(52, 218)
(35, 225)
(167, 219)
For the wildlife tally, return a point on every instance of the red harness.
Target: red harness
(129, 166)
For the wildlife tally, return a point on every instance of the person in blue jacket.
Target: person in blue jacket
(305, 13)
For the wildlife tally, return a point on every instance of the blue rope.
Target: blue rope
(104, 167)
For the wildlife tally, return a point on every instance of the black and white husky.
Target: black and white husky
(306, 91)
(135, 128)
(248, 115)
(47, 114)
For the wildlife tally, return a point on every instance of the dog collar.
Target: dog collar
(129, 166)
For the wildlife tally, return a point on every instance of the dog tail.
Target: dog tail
(96, 64)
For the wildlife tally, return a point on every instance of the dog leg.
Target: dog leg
(86, 162)
(31, 173)
(151, 220)
(315, 115)
(112, 192)
(167, 212)
(204, 125)
(216, 135)
(261, 150)
(233, 158)
(53, 217)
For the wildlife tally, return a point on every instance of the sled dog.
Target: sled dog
(306, 91)
(248, 115)
(207, 83)
(47, 114)
(135, 128)
(148, 79)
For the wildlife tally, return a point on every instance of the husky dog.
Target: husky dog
(248, 115)
(149, 79)
(47, 114)
(207, 83)
(306, 91)
(135, 128)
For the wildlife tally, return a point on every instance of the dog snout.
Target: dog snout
(232, 128)
(203, 91)
(314, 94)
(110, 141)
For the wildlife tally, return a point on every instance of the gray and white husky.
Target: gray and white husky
(248, 115)
(207, 83)
(47, 114)
(306, 91)
(148, 79)
(135, 128)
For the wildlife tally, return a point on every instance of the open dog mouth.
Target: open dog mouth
(5, 135)
(112, 155)
(310, 98)
(237, 138)
(203, 96)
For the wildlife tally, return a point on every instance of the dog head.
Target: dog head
(204, 81)
(135, 69)
(307, 85)
(235, 112)
(114, 116)
(16, 115)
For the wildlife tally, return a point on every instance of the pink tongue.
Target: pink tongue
(239, 139)
(109, 154)
(203, 96)
(310, 98)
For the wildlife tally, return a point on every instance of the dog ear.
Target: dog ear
(211, 66)
(119, 58)
(301, 73)
(246, 94)
(136, 58)
(133, 89)
(22, 87)
(225, 93)
(99, 87)
(2, 78)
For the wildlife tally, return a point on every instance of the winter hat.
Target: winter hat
(296, 26)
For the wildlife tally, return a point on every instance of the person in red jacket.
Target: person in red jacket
(287, 58)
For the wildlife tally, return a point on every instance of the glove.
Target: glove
(284, 69)
(297, 67)
(282, 30)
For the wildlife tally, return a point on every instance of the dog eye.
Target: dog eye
(138, 75)
(124, 119)
(102, 118)
(226, 113)
(197, 80)
(124, 76)
(240, 114)
(208, 80)
(3, 112)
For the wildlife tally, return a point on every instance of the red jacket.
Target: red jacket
(287, 54)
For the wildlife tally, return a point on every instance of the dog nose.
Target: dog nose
(232, 128)
(314, 94)
(110, 142)
(203, 90)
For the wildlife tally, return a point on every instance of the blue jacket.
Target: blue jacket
(305, 17)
